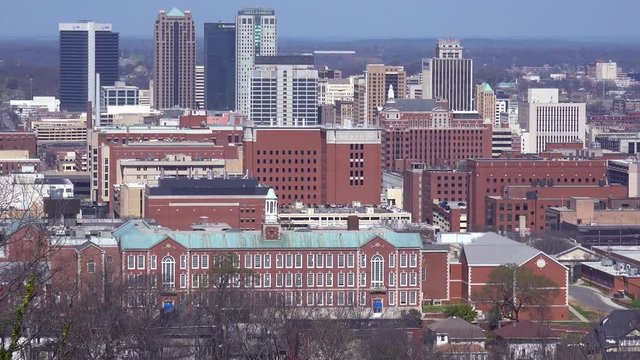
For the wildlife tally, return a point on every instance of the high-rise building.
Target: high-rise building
(359, 108)
(86, 49)
(284, 91)
(199, 94)
(449, 76)
(380, 78)
(256, 35)
(548, 121)
(220, 66)
(486, 103)
(606, 70)
(174, 60)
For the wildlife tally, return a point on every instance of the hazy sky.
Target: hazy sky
(346, 18)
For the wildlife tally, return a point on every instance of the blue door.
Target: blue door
(377, 305)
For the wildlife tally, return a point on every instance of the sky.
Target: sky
(347, 19)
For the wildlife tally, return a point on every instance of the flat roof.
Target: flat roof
(217, 186)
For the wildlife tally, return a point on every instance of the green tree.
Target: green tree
(463, 311)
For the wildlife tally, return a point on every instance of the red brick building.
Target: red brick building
(424, 187)
(489, 177)
(220, 141)
(19, 140)
(425, 131)
(180, 203)
(316, 165)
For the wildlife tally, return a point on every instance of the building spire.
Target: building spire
(391, 95)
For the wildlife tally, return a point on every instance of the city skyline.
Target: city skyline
(474, 19)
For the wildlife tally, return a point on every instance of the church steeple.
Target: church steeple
(391, 97)
(271, 229)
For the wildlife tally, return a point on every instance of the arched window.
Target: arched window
(169, 272)
(377, 271)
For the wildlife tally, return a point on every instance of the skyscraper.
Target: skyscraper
(449, 76)
(486, 103)
(174, 60)
(220, 66)
(284, 91)
(379, 79)
(199, 94)
(256, 35)
(86, 49)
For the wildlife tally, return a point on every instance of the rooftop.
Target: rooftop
(175, 12)
(218, 186)
(457, 328)
(493, 249)
(415, 105)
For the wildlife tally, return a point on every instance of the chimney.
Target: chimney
(353, 223)
(89, 115)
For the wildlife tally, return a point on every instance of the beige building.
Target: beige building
(49, 131)
(581, 211)
(174, 60)
(486, 103)
(379, 79)
(359, 100)
(332, 90)
(131, 200)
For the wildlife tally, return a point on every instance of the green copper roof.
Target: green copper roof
(175, 12)
(486, 87)
(139, 235)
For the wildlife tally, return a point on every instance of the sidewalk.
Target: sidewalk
(604, 299)
(577, 314)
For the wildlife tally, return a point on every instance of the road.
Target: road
(592, 298)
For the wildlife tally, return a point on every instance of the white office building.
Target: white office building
(284, 91)
(545, 120)
(120, 94)
(331, 90)
(199, 87)
(256, 35)
(606, 71)
(449, 76)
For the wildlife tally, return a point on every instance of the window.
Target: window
(351, 259)
(267, 280)
(298, 261)
(257, 261)
(377, 272)
(320, 280)
(392, 279)
(413, 279)
(204, 261)
(363, 279)
(298, 280)
(131, 262)
(168, 272)
(288, 280)
(310, 262)
(340, 260)
(329, 281)
(153, 262)
(319, 298)
(195, 261)
(91, 266)
(351, 279)
(140, 263)
(350, 296)
(195, 281)
(279, 277)
(310, 299)
(392, 260)
(131, 280)
(403, 260)
(154, 281)
(341, 279)
(289, 263)
(183, 262)
(183, 281)
(363, 298)
(204, 280)
(329, 298)
(247, 261)
(403, 279)
(320, 261)
(310, 278)
(340, 298)
(392, 298)
(413, 260)
(329, 262)
(403, 298)
(412, 298)
(267, 261)
(279, 264)
(363, 260)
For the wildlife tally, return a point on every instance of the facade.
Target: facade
(526, 339)
(359, 108)
(502, 141)
(283, 91)
(425, 131)
(624, 172)
(425, 188)
(19, 140)
(199, 84)
(449, 76)
(343, 217)
(256, 35)
(332, 90)
(120, 94)
(453, 338)
(615, 337)
(179, 204)
(39, 104)
(60, 131)
(316, 165)
(380, 79)
(174, 60)
(606, 71)
(489, 177)
(486, 103)
(450, 216)
(220, 66)
(548, 121)
(153, 142)
(86, 49)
